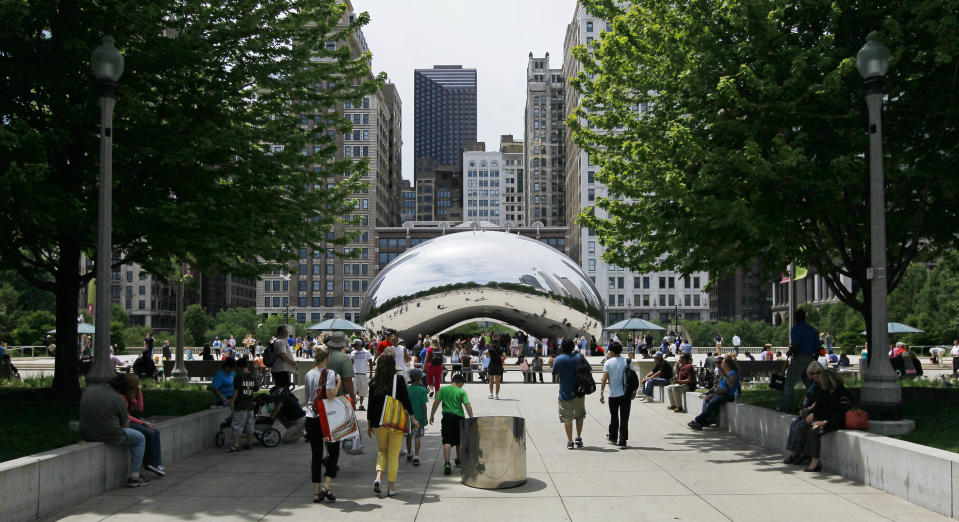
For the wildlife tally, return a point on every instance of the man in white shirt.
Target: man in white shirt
(736, 343)
(362, 368)
(955, 357)
(402, 359)
(619, 400)
(284, 366)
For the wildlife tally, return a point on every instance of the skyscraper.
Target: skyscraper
(545, 144)
(444, 113)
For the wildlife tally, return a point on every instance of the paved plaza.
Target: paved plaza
(668, 473)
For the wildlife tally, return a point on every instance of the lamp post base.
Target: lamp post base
(881, 395)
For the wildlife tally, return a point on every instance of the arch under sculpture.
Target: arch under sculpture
(484, 274)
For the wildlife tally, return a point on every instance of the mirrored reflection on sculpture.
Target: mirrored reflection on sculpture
(484, 274)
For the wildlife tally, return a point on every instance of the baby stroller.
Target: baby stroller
(263, 428)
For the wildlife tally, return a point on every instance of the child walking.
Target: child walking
(242, 404)
(454, 399)
(418, 398)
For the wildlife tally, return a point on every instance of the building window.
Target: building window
(589, 27)
(592, 265)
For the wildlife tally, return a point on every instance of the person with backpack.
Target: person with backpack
(278, 357)
(434, 367)
(572, 407)
(321, 383)
(388, 440)
(497, 356)
(622, 390)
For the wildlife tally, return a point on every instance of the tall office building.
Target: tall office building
(658, 296)
(514, 182)
(545, 190)
(444, 113)
(408, 201)
(321, 285)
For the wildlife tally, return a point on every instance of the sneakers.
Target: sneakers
(135, 482)
(447, 469)
(432, 393)
(416, 461)
(402, 451)
(409, 458)
(611, 439)
(457, 462)
(496, 397)
(695, 425)
(579, 442)
(621, 443)
(156, 469)
(376, 487)
(361, 408)
(490, 396)
(569, 445)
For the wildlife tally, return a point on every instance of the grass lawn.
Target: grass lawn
(932, 408)
(31, 422)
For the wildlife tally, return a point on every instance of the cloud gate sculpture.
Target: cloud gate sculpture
(480, 275)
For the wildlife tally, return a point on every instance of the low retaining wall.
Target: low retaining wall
(43, 484)
(925, 476)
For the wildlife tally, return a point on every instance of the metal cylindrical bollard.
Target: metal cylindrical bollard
(493, 452)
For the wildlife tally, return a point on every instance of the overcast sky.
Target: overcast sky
(493, 36)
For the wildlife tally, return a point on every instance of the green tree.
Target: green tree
(195, 323)
(207, 86)
(937, 308)
(33, 327)
(119, 322)
(737, 130)
(233, 321)
(9, 309)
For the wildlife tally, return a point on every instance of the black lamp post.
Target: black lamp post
(107, 64)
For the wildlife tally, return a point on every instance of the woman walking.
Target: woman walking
(388, 441)
(328, 383)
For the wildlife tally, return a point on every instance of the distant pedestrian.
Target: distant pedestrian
(320, 384)
(737, 342)
(242, 404)
(362, 367)
(571, 407)
(497, 355)
(284, 365)
(419, 399)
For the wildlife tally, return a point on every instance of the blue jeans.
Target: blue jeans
(795, 372)
(655, 381)
(151, 454)
(711, 409)
(134, 439)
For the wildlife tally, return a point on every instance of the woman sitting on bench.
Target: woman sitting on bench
(726, 391)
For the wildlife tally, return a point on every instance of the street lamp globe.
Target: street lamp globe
(873, 59)
(106, 61)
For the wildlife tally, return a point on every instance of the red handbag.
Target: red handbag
(857, 419)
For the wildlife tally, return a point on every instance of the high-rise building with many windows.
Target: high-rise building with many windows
(321, 284)
(491, 183)
(659, 296)
(444, 116)
(545, 190)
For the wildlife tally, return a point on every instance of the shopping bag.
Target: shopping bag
(353, 445)
(337, 419)
(394, 416)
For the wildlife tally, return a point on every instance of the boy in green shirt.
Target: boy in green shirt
(453, 399)
(418, 398)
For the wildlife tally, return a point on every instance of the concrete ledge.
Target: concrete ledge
(925, 476)
(43, 484)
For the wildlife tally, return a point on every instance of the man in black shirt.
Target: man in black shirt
(660, 376)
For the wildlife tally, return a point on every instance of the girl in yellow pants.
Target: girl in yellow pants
(386, 382)
(388, 444)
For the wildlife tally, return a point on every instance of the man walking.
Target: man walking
(737, 342)
(803, 349)
(362, 368)
(614, 373)
(571, 407)
(285, 364)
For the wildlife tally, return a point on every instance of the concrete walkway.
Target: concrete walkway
(668, 473)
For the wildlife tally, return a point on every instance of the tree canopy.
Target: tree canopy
(735, 132)
(225, 137)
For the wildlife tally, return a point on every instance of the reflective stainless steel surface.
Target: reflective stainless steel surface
(484, 274)
(493, 452)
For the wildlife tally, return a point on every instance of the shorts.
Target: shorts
(571, 410)
(417, 433)
(361, 385)
(242, 422)
(495, 371)
(450, 429)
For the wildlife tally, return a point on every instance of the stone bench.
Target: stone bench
(925, 476)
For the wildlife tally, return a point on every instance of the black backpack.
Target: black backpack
(585, 384)
(270, 355)
(632, 380)
(436, 359)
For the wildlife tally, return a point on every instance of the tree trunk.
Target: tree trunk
(66, 381)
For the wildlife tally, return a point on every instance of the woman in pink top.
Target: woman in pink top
(152, 458)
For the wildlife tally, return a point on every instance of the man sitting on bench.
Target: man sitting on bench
(660, 376)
